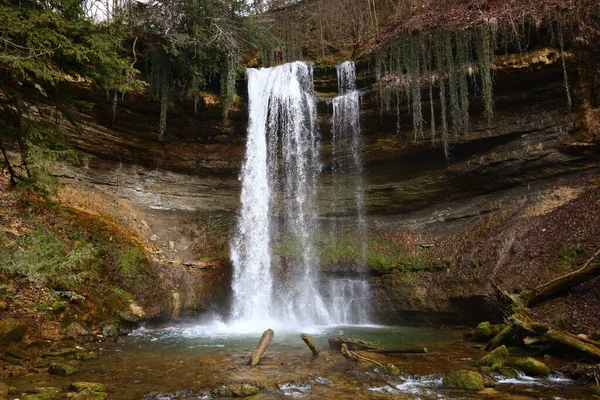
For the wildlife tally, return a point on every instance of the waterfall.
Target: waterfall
(279, 188)
(350, 298)
(280, 179)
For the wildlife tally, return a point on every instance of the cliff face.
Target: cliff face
(534, 142)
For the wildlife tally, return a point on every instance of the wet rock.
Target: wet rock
(134, 313)
(494, 359)
(508, 372)
(81, 386)
(61, 369)
(87, 356)
(11, 331)
(110, 330)
(391, 369)
(486, 331)
(533, 367)
(223, 391)
(87, 394)
(76, 330)
(489, 382)
(245, 390)
(468, 380)
(42, 393)
(61, 353)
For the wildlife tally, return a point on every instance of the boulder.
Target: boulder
(81, 386)
(42, 393)
(532, 367)
(87, 394)
(486, 331)
(495, 359)
(468, 380)
(245, 390)
(595, 336)
(11, 331)
(61, 369)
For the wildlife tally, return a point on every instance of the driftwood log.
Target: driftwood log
(354, 344)
(258, 353)
(336, 343)
(355, 358)
(311, 345)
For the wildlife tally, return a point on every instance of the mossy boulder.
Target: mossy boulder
(532, 367)
(81, 386)
(595, 336)
(87, 394)
(87, 356)
(468, 380)
(42, 393)
(495, 359)
(508, 372)
(245, 390)
(11, 331)
(61, 369)
(486, 331)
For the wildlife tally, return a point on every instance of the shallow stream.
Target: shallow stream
(187, 361)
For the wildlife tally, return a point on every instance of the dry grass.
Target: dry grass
(553, 199)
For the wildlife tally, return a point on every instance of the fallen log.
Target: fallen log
(408, 350)
(505, 336)
(554, 288)
(336, 343)
(581, 349)
(311, 345)
(264, 341)
(585, 340)
(355, 358)
(348, 355)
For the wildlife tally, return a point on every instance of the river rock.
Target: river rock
(486, 331)
(533, 367)
(61, 369)
(11, 330)
(42, 393)
(469, 380)
(81, 386)
(245, 390)
(495, 359)
(110, 330)
(87, 394)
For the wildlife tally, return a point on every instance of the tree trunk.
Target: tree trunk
(588, 352)
(565, 282)
(261, 347)
(311, 345)
(11, 171)
(352, 343)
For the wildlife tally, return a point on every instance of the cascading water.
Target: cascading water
(280, 179)
(279, 187)
(350, 297)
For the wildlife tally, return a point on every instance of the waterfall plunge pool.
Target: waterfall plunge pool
(188, 361)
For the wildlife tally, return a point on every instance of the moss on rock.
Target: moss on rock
(245, 390)
(533, 367)
(495, 359)
(61, 369)
(486, 331)
(81, 386)
(469, 380)
(595, 336)
(87, 394)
